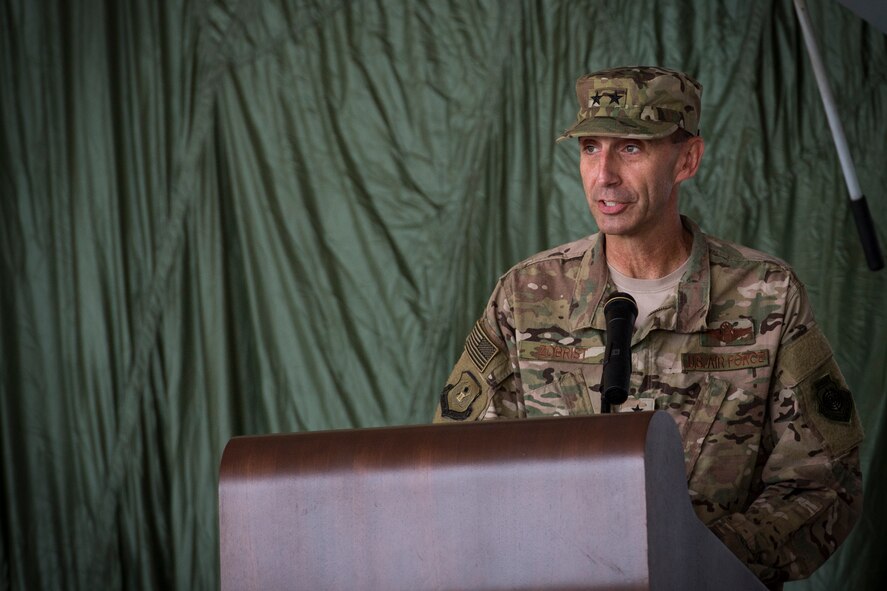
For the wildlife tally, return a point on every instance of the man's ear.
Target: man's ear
(691, 156)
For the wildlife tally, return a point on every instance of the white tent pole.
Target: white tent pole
(858, 204)
(828, 101)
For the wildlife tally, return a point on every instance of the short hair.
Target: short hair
(680, 136)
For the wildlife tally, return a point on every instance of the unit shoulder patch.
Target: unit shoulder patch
(828, 406)
(833, 402)
(457, 397)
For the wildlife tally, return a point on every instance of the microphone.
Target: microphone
(620, 312)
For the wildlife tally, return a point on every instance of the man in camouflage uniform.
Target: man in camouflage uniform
(725, 341)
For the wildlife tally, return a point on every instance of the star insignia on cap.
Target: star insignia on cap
(596, 99)
(614, 97)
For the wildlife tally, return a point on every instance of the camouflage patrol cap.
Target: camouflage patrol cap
(640, 102)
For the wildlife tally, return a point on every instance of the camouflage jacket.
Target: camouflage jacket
(769, 427)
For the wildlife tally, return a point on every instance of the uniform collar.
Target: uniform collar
(593, 287)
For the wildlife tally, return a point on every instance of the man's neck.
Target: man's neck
(649, 257)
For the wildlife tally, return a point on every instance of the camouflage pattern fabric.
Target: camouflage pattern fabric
(769, 427)
(636, 102)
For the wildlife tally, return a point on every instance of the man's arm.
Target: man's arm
(812, 493)
(483, 383)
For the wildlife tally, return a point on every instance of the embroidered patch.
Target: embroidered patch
(456, 398)
(637, 405)
(834, 402)
(480, 348)
(730, 333)
(553, 352)
(725, 361)
(606, 97)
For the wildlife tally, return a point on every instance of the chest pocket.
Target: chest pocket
(561, 391)
(577, 395)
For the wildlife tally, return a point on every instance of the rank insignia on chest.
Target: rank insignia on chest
(730, 333)
(638, 405)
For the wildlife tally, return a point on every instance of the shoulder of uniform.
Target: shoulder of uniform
(730, 254)
(571, 250)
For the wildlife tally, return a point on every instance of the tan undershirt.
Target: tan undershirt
(649, 294)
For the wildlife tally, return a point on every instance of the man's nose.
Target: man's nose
(607, 172)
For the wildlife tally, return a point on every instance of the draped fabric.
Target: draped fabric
(229, 217)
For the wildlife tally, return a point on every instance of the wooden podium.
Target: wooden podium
(596, 502)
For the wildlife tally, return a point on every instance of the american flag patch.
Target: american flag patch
(479, 347)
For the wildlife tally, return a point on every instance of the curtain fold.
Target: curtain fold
(221, 218)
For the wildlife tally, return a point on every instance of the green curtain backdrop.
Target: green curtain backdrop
(231, 217)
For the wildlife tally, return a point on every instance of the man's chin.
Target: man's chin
(611, 226)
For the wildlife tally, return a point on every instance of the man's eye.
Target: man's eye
(632, 148)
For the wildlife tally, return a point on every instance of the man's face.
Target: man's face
(631, 185)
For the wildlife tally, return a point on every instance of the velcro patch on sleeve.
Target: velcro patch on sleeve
(466, 396)
(801, 357)
(479, 347)
(828, 406)
(482, 366)
(457, 397)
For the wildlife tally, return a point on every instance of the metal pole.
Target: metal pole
(858, 204)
